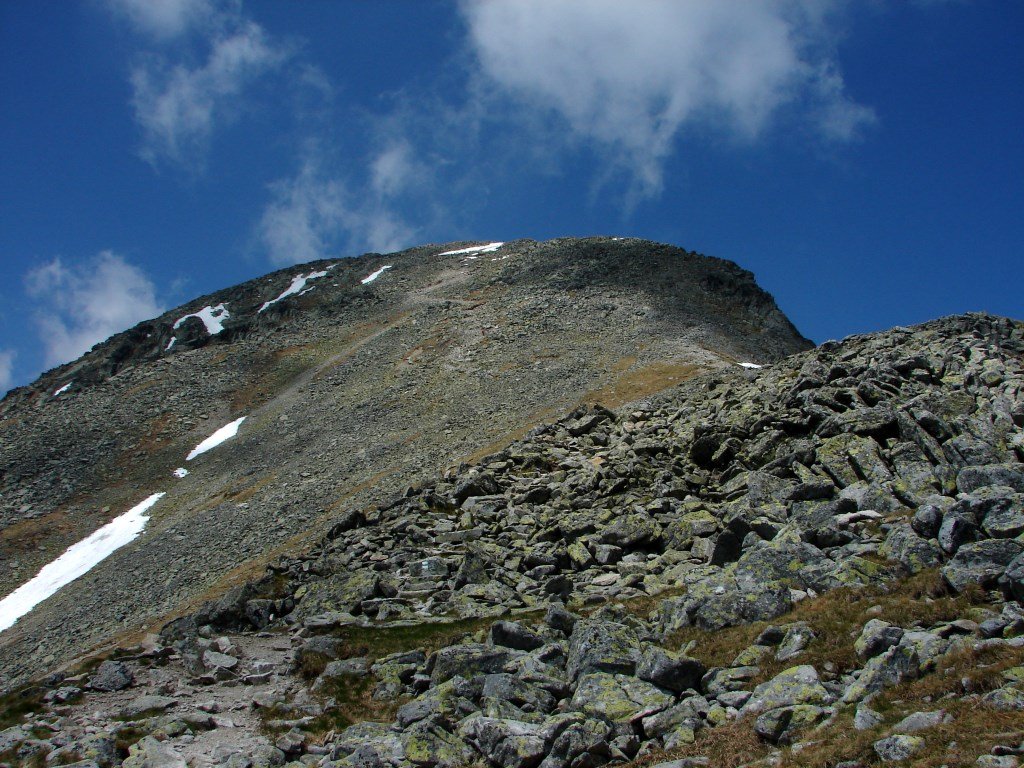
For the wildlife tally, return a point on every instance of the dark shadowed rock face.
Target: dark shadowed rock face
(351, 391)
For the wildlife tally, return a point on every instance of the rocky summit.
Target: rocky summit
(559, 504)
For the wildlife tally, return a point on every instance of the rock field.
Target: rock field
(819, 562)
(351, 391)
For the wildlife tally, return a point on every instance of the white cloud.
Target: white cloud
(633, 77)
(6, 369)
(316, 214)
(164, 19)
(179, 106)
(83, 304)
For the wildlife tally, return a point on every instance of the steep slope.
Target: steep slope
(817, 563)
(351, 388)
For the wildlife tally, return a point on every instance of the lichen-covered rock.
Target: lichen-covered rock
(426, 744)
(339, 592)
(618, 698)
(470, 660)
(671, 671)
(506, 743)
(897, 748)
(914, 553)
(796, 685)
(981, 563)
(877, 636)
(602, 646)
(889, 668)
(150, 753)
(779, 726)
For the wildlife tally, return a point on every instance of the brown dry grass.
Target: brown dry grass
(974, 730)
(633, 384)
(507, 438)
(836, 618)
(727, 746)
(27, 535)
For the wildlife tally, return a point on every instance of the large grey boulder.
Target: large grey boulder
(150, 753)
(111, 676)
(970, 479)
(877, 636)
(889, 668)
(618, 698)
(469, 661)
(796, 685)
(911, 551)
(506, 743)
(898, 748)
(671, 671)
(779, 726)
(981, 563)
(602, 646)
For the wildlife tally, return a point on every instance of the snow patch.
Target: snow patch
(489, 248)
(298, 286)
(65, 388)
(77, 559)
(180, 472)
(170, 343)
(213, 318)
(749, 365)
(374, 275)
(221, 435)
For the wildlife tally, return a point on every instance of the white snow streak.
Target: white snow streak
(221, 435)
(374, 275)
(213, 318)
(65, 388)
(750, 365)
(297, 286)
(489, 248)
(180, 472)
(170, 343)
(77, 559)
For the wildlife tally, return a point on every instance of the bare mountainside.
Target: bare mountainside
(357, 378)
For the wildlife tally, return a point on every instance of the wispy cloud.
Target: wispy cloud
(80, 305)
(179, 107)
(164, 19)
(633, 78)
(317, 213)
(6, 369)
(194, 80)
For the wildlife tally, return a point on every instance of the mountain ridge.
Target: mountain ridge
(439, 357)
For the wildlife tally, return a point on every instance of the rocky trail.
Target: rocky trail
(817, 563)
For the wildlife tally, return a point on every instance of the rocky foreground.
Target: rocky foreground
(816, 563)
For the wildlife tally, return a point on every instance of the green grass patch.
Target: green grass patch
(14, 706)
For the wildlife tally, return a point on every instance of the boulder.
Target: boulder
(671, 671)
(506, 743)
(779, 726)
(111, 676)
(911, 551)
(796, 685)
(898, 748)
(970, 479)
(512, 634)
(876, 637)
(150, 753)
(981, 563)
(602, 646)
(618, 698)
(471, 660)
(426, 744)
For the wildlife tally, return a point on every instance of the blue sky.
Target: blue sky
(864, 159)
